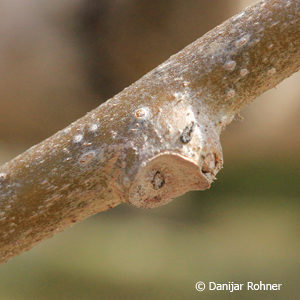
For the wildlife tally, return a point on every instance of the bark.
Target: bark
(155, 140)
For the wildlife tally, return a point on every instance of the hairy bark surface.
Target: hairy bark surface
(155, 140)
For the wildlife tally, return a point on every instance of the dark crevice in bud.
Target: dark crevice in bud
(186, 135)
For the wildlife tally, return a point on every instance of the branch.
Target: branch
(158, 138)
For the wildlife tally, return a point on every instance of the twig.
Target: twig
(158, 138)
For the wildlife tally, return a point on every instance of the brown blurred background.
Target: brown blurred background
(61, 58)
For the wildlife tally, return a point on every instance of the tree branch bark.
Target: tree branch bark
(155, 140)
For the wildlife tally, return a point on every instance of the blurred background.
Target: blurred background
(60, 59)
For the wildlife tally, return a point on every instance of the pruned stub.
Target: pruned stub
(164, 177)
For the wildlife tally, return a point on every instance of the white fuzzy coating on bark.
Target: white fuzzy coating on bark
(3, 176)
(93, 127)
(78, 138)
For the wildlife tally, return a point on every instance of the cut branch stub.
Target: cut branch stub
(164, 177)
(178, 150)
